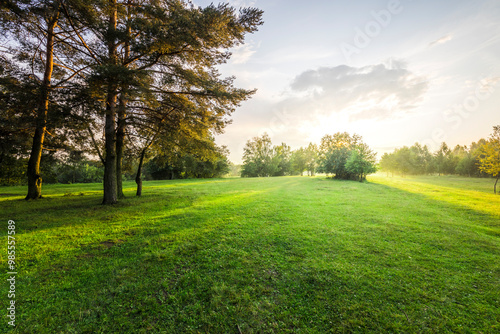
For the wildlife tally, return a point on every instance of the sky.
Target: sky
(395, 72)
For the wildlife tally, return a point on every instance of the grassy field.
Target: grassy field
(264, 255)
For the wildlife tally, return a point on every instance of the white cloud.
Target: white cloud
(441, 40)
(368, 92)
(242, 3)
(242, 53)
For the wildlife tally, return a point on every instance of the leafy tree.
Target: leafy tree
(282, 155)
(299, 161)
(444, 161)
(31, 28)
(16, 105)
(490, 156)
(420, 159)
(388, 163)
(334, 151)
(311, 158)
(361, 162)
(345, 156)
(258, 157)
(188, 165)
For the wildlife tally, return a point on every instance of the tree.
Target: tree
(402, 158)
(334, 151)
(17, 101)
(444, 160)
(37, 33)
(388, 163)
(299, 161)
(361, 162)
(258, 158)
(282, 155)
(489, 159)
(312, 158)
(144, 54)
(33, 26)
(345, 156)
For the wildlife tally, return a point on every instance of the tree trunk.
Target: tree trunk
(110, 186)
(138, 176)
(495, 186)
(34, 178)
(122, 124)
(120, 144)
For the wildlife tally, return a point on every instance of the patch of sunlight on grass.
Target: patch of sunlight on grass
(473, 199)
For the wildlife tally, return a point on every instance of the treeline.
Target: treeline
(478, 159)
(261, 158)
(341, 155)
(75, 167)
(119, 82)
(418, 160)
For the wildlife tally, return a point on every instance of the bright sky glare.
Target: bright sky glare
(395, 72)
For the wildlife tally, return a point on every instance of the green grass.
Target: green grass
(266, 255)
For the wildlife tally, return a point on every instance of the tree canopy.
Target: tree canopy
(133, 70)
(489, 160)
(346, 157)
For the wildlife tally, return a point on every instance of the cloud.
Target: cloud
(242, 3)
(369, 92)
(242, 53)
(441, 40)
(328, 100)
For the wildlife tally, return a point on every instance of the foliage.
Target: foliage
(261, 158)
(490, 155)
(417, 160)
(345, 156)
(212, 162)
(258, 158)
(361, 162)
(148, 67)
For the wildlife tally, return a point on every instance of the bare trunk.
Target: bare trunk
(34, 177)
(122, 125)
(120, 144)
(495, 186)
(110, 184)
(138, 177)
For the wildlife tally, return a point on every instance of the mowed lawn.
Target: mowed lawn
(263, 255)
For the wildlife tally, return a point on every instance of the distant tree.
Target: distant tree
(234, 169)
(467, 160)
(299, 161)
(282, 155)
(403, 160)
(388, 163)
(420, 159)
(444, 161)
(334, 151)
(361, 162)
(311, 158)
(345, 156)
(187, 165)
(489, 159)
(258, 157)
